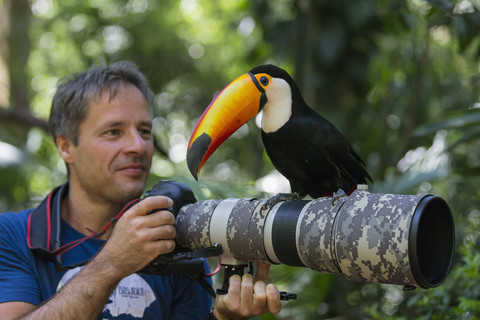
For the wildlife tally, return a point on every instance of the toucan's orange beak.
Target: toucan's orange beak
(237, 103)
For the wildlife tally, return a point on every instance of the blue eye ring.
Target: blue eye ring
(264, 81)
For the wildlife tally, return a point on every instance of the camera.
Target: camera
(366, 237)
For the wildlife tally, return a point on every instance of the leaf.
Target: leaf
(470, 136)
(457, 121)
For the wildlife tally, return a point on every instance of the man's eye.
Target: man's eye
(145, 132)
(113, 132)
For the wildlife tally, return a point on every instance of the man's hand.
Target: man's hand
(139, 237)
(136, 240)
(248, 297)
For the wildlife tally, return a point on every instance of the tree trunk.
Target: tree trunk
(4, 32)
(19, 45)
(15, 18)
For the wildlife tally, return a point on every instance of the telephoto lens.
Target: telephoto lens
(367, 237)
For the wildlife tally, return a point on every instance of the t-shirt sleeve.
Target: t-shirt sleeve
(17, 279)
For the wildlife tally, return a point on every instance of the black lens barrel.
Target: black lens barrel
(284, 235)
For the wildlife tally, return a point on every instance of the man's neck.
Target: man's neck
(82, 211)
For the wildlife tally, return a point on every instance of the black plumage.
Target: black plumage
(309, 150)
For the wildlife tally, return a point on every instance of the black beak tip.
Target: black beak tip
(196, 152)
(194, 174)
(192, 163)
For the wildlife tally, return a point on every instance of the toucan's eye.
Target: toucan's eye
(264, 81)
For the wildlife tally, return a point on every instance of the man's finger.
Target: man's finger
(273, 299)
(262, 272)
(260, 296)
(247, 291)
(162, 217)
(150, 204)
(232, 299)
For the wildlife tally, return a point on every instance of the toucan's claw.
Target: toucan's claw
(279, 197)
(337, 196)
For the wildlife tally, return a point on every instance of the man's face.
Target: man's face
(112, 159)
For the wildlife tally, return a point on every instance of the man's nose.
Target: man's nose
(135, 142)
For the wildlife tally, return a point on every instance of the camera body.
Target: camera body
(180, 260)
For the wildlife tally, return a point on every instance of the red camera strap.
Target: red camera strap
(43, 227)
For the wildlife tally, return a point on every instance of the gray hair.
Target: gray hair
(70, 103)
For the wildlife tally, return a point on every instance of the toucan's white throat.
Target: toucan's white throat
(278, 109)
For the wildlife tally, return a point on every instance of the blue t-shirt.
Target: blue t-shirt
(25, 276)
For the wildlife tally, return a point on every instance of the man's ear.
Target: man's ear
(65, 148)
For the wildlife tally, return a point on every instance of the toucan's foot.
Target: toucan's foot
(279, 197)
(337, 196)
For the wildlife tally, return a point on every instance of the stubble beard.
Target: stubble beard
(111, 190)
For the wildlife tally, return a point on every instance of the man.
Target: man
(101, 121)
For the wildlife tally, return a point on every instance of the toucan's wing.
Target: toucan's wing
(314, 156)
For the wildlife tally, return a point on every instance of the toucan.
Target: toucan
(302, 145)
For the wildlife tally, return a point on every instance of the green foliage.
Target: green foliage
(457, 298)
(399, 78)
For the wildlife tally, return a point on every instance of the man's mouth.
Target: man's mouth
(133, 169)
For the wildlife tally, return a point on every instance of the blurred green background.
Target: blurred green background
(400, 79)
